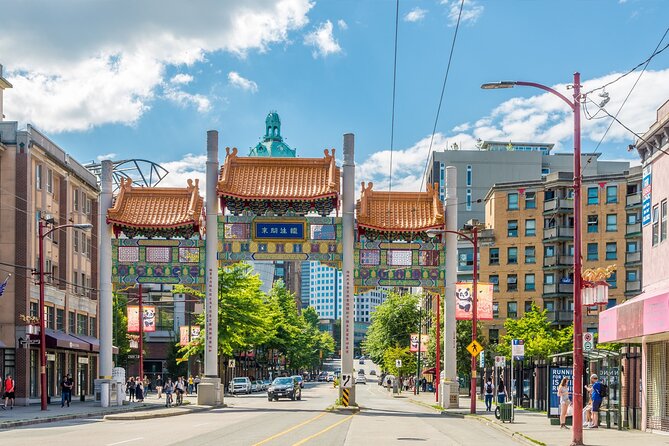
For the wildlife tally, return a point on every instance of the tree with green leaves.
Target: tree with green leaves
(392, 324)
(408, 359)
(120, 320)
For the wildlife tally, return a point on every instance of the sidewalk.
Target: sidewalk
(151, 407)
(534, 428)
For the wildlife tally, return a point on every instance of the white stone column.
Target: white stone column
(104, 284)
(450, 387)
(348, 297)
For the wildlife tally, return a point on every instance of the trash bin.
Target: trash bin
(506, 412)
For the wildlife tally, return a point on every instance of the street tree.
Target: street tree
(390, 357)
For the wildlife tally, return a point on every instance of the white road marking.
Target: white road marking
(125, 441)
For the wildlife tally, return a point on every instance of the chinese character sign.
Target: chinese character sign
(149, 318)
(277, 230)
(464, 297)
(413, 344)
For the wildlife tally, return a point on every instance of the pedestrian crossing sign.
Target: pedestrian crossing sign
(474, 348)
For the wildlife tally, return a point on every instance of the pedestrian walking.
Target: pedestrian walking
(501, 392)
(389, 382)
(423, 384)
(197, 382)
(159, 386)
(596, 396)
(191, 385)
(139, 391)
(10, 389)
(66, 386)
(179, 389)
(563, 396)
(488, 395)
(147, 385)
(132, 386)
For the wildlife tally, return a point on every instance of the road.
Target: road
(252, 420)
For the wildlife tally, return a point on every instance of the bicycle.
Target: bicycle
(180, 398)
(168, 400)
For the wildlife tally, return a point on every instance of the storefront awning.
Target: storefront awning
(59, 339)
(94, 343)
(430, 371)
(645, 315)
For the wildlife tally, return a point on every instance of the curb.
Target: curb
(159, 413)
(517, 436)
(444, 412)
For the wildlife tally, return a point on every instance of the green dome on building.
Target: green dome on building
(272, 144)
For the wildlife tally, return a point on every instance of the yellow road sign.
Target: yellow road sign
(474, 348)
(345, 396)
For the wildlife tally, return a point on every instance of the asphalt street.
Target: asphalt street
(252, 420)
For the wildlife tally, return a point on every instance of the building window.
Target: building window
(611, 303)
(49, 181)
(593, 223)
(494, 256)
(593, 252)
(530, 227)
(663, 221)
(513, 201)
(611, 222)
(549, 305)
(71, 322)
(530, 254)
(512, 228)
(94, 327)
(530, 200)
(611, 194)
(529, 282)
(512, 255)
(493, 335)
(82, 324)
(528, 306)
(512, 309)
(494, 279)
(495, 309)
(611, 251)
(465, 259)
(612, 281)
(469, 176)
(60, 319)
(75, 193)
(512, 282)
(632, 275)
(632, 246)
(469, 199)
(593, 195)
(656, 224)
(632, 219)
(76, 240)
(38, 177)
(49, 315)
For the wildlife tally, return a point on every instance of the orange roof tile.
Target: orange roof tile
(156, 207)
(280, 179)
(399, 211)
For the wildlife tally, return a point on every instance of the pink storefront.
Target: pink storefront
(644, 319)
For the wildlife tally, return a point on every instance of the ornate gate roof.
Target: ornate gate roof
(402, 214)
(157, 211)
(279, 184)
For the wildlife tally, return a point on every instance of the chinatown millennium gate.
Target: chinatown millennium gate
(275, 208)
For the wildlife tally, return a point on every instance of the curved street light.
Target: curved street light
(575, 106)
(42, 325)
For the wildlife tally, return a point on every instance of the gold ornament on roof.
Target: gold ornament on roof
(598, 274)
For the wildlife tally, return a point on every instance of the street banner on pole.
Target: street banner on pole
(149, 318)
(413, 344)
(464, 298)
(183, 334)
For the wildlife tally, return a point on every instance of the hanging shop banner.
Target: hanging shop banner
(413, 344)
(647, 188)
(149, 318)
(556, 375)
(183, 334)
(464, 297)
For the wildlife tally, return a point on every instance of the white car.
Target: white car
(241, 385)
(360, 379)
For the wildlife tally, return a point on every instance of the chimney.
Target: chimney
(4, 83)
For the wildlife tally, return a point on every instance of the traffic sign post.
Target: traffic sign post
(346, 381)
(231, 363)
(474, 348)
(500, 361)
(588, 342)
(517, 353)
(482, 360)
(398, 363)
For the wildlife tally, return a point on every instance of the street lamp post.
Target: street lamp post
(473, 239)
(575, 106)
(42, 233)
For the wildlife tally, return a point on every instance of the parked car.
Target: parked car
(300, 380)
(322, 377)
(284, 387)
(266, 383)
(372, 372)
(361, 372)
(360, 379)
(256, 386)
(241, 385)
(362, 361)
(331, 377)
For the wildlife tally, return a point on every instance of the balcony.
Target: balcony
(632, 258)
(633, 230)
(559, 205)
(554, 289)
(560, 317)
(633, 200)
(558, 261)
(558, 232)
(633, 287)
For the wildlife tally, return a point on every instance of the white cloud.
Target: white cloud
(342, 24)
(104, 67)
(415, 15)
(471, 11)
(184, 99)
(189, 167)
(322, 40)
(539, 118)
(181, 79)
(240, 82)
(107, 156)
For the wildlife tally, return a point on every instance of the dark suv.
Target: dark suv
(284, 387)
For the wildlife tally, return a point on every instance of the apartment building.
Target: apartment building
(40, 181)
(530, 259)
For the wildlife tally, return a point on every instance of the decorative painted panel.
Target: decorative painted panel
(399, 264)
(279, 238)
(158, 261)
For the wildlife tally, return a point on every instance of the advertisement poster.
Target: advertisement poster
(183, 334)
(413, 344)
(647, 188)
(556, 375)
(464, 298)
(149, 318)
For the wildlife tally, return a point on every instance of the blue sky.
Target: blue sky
(118, 79)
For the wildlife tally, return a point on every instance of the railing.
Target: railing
(552, 288)
(633, 200)
(558, 231)
(633, 286)
(631, 257)
(633, 228)
(558, 203)
(558, 260)
(560, 316)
